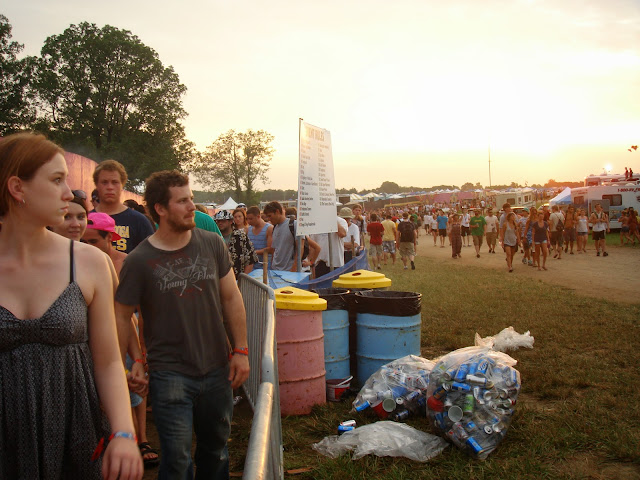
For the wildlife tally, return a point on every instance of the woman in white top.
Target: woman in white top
(582, 231)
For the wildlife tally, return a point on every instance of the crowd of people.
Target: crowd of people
(105, 303)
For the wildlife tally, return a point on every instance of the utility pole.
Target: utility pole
(489, 166)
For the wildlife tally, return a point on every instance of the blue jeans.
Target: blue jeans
(183, 404)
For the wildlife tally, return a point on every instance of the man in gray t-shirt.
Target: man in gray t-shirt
(282, 239)
(194, 328)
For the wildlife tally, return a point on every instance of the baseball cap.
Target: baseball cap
(104, 222)
(223, 215)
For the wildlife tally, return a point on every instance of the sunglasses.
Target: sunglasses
(80, 194)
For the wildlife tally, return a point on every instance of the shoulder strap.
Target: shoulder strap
(72, 264)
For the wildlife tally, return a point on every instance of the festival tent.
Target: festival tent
(563, 198)
(230, 204)
(466, 196)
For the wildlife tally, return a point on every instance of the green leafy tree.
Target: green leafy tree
(467, 186)
(235, 161)
(390, 187)
(15, 109)
(103, 93)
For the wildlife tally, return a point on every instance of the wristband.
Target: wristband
(242, 351)
(139, 360)
(104, 441)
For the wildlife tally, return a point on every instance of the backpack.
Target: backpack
(559, 225)
(406, 230)
(305, 249)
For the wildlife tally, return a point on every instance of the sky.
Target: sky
(416, 92)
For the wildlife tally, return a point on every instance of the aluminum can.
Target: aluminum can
(461, 374)
(475, 446)
(460, 386)
(469, 404)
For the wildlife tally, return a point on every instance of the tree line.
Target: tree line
(102, 93)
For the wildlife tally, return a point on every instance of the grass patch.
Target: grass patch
(579, 410)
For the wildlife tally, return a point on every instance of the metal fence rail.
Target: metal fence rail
(264, 455)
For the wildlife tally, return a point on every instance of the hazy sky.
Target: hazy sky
(413, 92)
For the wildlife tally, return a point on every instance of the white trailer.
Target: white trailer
(516, 198)
(613, 197)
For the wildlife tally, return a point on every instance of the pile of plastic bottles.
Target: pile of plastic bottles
(471, 398)
(397, 390)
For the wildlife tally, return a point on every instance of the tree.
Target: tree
(103, 93)
(390, 187)
(235, 161)
(467, 186)
(15, 109)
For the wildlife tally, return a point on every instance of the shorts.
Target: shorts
(598, 235)
(465, 231)
(625, 228)
(375, 250)
(582, 234)
(477, 240)
(544, 242)
(570, 235)
(407, 249)
(389, 246)
(556, 237)
(525, 243)
(442, 232)
(491, 238)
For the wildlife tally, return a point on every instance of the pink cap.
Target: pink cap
(104, 222)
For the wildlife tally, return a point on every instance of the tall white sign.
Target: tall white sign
(316, 185)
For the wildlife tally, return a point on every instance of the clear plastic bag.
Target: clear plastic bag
(384, 439)
(397, 390)
(472, 396)
(507, 339)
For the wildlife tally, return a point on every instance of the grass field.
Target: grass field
(578, 414)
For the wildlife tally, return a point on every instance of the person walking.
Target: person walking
(195, 330)
(510, 238)
(541, 240)
(582, 231)
(477, 224)
(61, 368)
(600, 222)
(491, 230)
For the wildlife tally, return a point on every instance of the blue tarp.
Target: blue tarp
(279, 278)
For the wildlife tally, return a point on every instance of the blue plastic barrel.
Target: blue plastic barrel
(388, 325)
(335, 325)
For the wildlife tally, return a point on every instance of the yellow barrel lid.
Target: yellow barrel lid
(290, 298)
(362, 279)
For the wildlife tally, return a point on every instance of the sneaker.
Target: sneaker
(605, 254)
(477, 255)
(406, 268)
(413, 266)
(530, 263)
(597, 254)
(379, 267)
(524, 260)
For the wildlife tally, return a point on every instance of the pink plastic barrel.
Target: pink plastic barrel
(300, 361)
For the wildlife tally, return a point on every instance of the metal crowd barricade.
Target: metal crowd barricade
(264, 455)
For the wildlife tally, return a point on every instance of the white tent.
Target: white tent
(230, 204)
(354, 197)
(563, 198)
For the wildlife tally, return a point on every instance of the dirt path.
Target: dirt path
(615, 278)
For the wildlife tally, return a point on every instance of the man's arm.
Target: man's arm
(235, 321)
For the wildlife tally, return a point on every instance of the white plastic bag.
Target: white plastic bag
(507, 339)
(384, 439)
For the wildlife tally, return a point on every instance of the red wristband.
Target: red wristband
(242, 351)
(140, 360)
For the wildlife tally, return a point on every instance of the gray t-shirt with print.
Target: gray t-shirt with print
(179, 296)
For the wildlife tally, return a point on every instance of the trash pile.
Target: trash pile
(469, 395)
(397, 390)
(472, 397)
